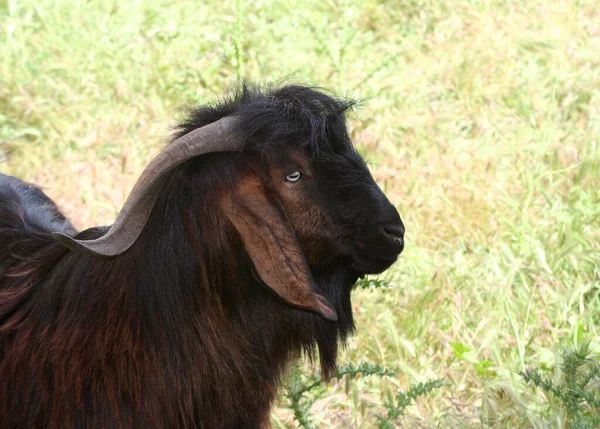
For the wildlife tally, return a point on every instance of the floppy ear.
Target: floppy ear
(270, 241)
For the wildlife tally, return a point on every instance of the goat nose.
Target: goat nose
(395, 230)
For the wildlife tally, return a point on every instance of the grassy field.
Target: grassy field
(481, 119)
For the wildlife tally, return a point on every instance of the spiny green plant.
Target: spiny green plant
(371, 283)
(578, 394)
(302, 391)
(397, 408)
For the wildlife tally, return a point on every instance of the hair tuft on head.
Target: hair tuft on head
(312, 118)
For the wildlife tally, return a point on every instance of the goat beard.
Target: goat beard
(335, 283)
(323, 338)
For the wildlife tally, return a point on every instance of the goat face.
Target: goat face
(307, 214)
(339, 212)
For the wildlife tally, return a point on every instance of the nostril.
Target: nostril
(396, 231)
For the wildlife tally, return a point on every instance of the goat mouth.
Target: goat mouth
(366, 262)
(370, 256)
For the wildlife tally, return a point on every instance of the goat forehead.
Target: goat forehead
(347, 163)
(345, 166)
(301, 159)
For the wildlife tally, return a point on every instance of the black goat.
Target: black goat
(236, 250)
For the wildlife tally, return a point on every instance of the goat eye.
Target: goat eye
(295, 176)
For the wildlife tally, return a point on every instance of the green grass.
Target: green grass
(481, 120)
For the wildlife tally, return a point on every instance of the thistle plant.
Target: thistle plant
(578, 393)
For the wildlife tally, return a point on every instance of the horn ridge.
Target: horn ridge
(217, 136)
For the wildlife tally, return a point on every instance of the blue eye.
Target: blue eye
(294, 177)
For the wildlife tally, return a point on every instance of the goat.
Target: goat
(236, 250)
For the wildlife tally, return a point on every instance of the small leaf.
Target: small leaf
(459, 349)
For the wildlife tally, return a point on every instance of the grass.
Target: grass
(481, 120)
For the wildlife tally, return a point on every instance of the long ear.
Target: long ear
(270, 241)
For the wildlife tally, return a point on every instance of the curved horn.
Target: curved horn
(214, 137)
